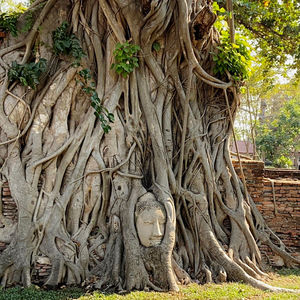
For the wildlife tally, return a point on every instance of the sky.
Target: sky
(6, 4)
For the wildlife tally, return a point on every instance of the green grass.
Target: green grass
(284, 278)
(34, 293)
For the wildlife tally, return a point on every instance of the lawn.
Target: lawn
(284, 278)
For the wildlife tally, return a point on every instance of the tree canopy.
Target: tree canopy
(274, 26)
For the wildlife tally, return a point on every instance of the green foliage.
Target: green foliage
(8, 22)
(28, 74)
(234, 58)
(101, 112)
(273, 25)
(290, 273)
(66, 43)
(221, 12)
(279, 137)
(28, 22)
(156, 46)
(10, 15)
(125, 58)
(283, 162)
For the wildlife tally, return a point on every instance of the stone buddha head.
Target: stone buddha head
(150, 219)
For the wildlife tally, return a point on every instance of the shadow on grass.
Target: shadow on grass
(288, 272)
(33, 293)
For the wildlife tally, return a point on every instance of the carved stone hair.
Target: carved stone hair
(147, 202)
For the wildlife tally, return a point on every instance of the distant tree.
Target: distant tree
(262, 97)
(279, 137)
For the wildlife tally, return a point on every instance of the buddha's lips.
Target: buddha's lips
(155, 241)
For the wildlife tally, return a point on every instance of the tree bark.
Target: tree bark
(77, 188)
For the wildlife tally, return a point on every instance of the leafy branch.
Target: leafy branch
(234, 58)
(27, 74)
(125, 58)
(66, 43)
(8, 22)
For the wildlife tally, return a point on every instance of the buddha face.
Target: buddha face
(150, 221)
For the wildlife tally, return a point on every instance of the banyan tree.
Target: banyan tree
(114, 141)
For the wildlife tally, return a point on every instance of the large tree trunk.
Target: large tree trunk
(81, 193)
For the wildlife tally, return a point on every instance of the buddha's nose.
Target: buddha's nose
(156, 230)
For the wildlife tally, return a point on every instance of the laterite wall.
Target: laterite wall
(276, 193)
(281, 209)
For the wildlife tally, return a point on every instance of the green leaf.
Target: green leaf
(23, 81)
(124, 59)
(111, 117)
(28, 74)
(156, 46)
(106, 128)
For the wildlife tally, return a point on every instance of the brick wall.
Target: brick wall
(9, 210)
(254, 174)
(282, 173)
(281, 213)
(9, 207)
(281, 210)
(42, 269)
